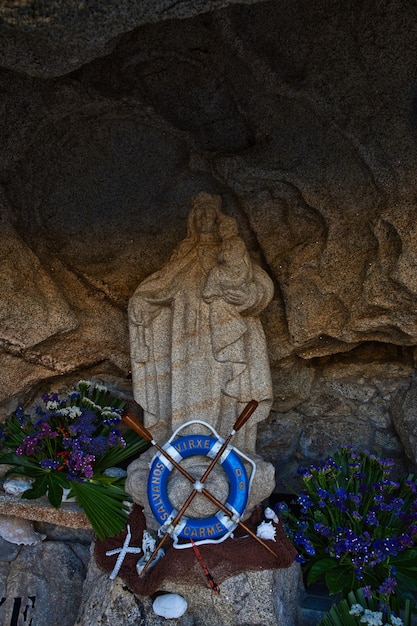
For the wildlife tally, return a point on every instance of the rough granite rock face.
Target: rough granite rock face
(302, 115)
(42, 584)
(32, 33)
(252, 598)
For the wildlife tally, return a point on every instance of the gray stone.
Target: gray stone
(359, 392)
(265, 598)
(29, 291)
(325, 436)
(44, 584)
(404, 419)
(8, 551)
(292, 384)
(106, 602)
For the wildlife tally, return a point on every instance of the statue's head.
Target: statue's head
(228, 227)
(205, 212)
(206, 199)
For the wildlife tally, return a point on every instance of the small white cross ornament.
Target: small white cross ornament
(125, 549)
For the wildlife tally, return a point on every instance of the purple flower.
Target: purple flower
(305, 502)
(411, 485)
(387, 586)
(305, 542)
(85, 424)
(356, 499)
(80, 463)
(114, 438)
(49, 464)
(322, 529)
(371, 518)
(96, 446)
(300, 559)
(281, 509)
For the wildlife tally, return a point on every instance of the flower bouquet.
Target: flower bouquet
(356, 527)
(70, 444)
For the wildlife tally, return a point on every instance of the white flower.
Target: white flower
(51, 405)
(356, 609)
(100, 387)
(109, 411)
(266, 530)
(372, 618)
(71, 411)
(396, 621)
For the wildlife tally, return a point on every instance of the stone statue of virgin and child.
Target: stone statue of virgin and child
(197, 345)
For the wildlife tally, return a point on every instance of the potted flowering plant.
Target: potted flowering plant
(356, 527)
(70, 443)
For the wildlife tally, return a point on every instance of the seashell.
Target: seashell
(266, 530)
(170, 605)
(18, 530)
(270, 514)
(16, 485)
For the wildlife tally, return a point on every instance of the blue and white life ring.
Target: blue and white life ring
(198, 529)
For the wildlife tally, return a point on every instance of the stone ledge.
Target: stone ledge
(69, 515)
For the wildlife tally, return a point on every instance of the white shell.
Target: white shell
(170, 605)
(270, 514)
(19, 530)
(16, 485)
(266, 530)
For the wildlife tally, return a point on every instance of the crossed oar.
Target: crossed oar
(145, 434)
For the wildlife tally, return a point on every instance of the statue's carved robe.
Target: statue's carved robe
(192, 359)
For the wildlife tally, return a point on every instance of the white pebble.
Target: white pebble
(170, 605)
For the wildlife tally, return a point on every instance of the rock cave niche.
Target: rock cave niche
(302, 118)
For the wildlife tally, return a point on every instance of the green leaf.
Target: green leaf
(104, 507)
(38, 489)
(13, 459)
(406, 585)
(341, 580)
(402, 558)
(55, 492)
(319, 568)
(339, 616)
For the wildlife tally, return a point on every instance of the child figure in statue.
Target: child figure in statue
(234, 271)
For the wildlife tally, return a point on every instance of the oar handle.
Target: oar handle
(133, 423)
(245, 415)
